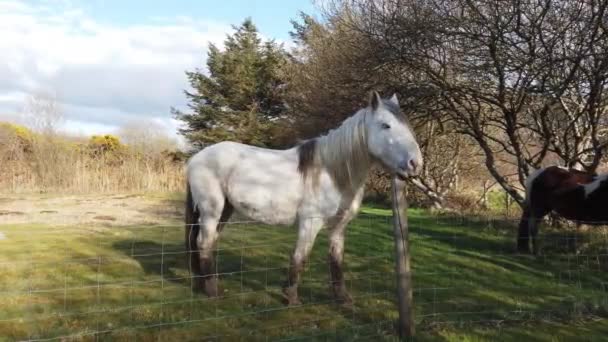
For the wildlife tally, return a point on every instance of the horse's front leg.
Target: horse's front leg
(523, 235)
(336, 259)
(534, 222)
(307, 233)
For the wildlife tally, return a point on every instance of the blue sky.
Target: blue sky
(271, 16)
(110, 63)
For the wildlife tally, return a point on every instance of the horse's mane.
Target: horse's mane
(342, 151)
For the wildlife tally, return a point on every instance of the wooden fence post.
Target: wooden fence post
(402, 263)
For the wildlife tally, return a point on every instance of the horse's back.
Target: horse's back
(574, 194)
(263, 184)
(558, 179)
(222, 157)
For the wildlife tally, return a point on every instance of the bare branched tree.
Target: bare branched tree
(446, 156)
(146, 136)
(330, 73)
(43, 112)
(526, 80)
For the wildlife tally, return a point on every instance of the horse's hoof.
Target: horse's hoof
(211, 288)
(291, 296)
(197, 285)
(212, 294)
(346, 302)
(293, 302)
(523, 250)
(343, 298)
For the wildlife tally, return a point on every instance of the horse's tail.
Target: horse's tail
(192, 230)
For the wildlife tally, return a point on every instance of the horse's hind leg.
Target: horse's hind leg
(226, 214)
(206, 243)
(307, 233)
(213, 214)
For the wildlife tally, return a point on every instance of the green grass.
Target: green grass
(125, 283)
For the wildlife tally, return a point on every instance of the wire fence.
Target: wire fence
(132, 283)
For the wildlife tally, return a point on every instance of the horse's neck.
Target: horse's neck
(345, 154)
(355, 177)
(351, 180)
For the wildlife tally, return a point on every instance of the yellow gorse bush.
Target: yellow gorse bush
(102, 163)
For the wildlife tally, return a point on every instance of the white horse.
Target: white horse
(317, 183)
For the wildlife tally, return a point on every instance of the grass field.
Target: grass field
(109, 281)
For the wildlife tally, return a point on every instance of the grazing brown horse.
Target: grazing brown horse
(574, 195)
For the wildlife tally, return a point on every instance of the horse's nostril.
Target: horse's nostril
(413, 164)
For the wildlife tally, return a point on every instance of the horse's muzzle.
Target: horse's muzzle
(409, 168)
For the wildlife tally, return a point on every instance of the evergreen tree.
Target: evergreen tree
(240, 98)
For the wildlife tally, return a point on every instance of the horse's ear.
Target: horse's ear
(394, 99)
(374, 102)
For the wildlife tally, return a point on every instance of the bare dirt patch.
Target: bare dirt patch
(10, 212)
(105, 218)
(110, 209)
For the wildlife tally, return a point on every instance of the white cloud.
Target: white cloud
(104, 76)
(85, 128)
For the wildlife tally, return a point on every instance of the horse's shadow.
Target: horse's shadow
(263, 274)
(170, 261)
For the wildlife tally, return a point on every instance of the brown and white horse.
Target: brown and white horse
(574, 195)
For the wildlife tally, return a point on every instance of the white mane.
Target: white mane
(343, 151)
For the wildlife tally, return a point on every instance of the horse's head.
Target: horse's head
(390, 138)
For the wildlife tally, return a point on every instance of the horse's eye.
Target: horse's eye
(386, 126)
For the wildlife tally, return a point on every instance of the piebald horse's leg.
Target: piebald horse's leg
(336, 259)
(535, 218)
(533, 226)
(308, 228)
(528, 228)
(523, 236)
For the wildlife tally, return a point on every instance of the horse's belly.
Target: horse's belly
(264, 197)
(584, 211)
(264, 207)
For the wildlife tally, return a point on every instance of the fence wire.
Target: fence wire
(133, 283)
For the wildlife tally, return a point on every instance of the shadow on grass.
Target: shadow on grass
(170, 261)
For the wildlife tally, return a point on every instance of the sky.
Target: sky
(113, 62)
